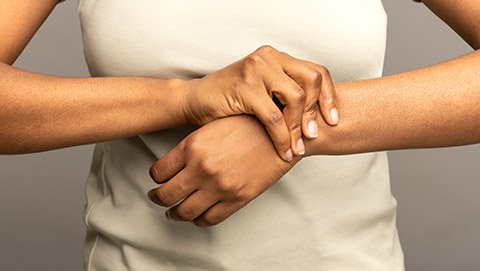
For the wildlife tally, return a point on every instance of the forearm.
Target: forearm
(39, 112)
(432, 107)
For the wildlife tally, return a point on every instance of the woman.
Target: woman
(327, 213)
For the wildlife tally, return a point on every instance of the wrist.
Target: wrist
(257, 130)
(324, 144)
(355, 132)
(190, 103)
(338, 139)
(175, 101)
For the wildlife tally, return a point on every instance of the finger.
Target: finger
(192, 207)
(292, 96)
(309, 123)
(173, 191)
(168, 165)
(272, 118)
(327, 99)
(310, 79)
(317, 77)
(217, 213)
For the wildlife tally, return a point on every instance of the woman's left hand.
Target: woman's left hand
(217, 170)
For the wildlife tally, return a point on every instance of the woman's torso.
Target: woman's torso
(328, 213)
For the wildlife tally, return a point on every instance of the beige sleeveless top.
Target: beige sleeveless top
(328, 213)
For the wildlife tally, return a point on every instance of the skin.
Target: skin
(250, 84)
(43, 112)
(40, 112)
(214, 192)
(431, 107)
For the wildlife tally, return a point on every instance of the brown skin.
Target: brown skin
(40, 112)
(248, 86)
(24, 16)
(432, 107)
(192, 168)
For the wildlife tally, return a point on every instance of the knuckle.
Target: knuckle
(233, 189)
(299, 95)
(225, 186)
(182, 145)
(243, 195)
(253, 61)
(266, 50)
(314, 77)
(182, 186)
(185, 214)
(275, 118)
(207, 168)
(192, 144)
(163, 198)
(238, 192)
(324, 70)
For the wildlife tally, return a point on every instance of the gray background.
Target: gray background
(41, 195)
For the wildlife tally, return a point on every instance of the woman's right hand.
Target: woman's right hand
(249, 85)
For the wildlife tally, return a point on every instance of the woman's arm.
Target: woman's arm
(463, 16)
(39, 112)
(432, 107)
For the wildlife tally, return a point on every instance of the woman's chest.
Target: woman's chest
(191, 38)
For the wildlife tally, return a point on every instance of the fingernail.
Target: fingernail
(312, 129)
(289, 155)
(300, 146)
(334, 115)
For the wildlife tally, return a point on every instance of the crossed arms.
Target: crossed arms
(432, 107)
(209, 176)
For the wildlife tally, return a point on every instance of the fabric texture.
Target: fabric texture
(327, 213)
